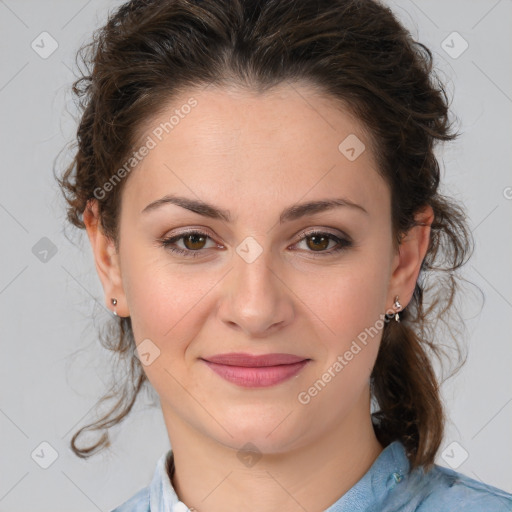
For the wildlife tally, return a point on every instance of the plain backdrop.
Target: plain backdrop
(53, 370)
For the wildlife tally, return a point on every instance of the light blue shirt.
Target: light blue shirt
(388, 486)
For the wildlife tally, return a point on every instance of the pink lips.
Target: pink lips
(256, 371)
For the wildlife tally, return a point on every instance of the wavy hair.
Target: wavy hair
(354, 51)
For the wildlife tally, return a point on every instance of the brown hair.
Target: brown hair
(356, 52)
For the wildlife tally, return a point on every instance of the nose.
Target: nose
(255, 297)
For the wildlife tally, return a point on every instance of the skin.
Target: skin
(255, 155)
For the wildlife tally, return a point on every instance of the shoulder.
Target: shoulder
(139, 502)
(399, 489)
(159, 495)
(449, 490)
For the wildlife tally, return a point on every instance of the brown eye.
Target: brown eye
(318, 242)
(194, 241)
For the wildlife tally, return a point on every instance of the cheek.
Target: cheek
(353, 297)
(168, 305)
(353, 312)
(165, 309)
(354, 316)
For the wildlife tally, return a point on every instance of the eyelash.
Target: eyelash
(167, 243)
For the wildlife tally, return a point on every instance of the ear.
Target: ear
(408, 260)
(106, 259)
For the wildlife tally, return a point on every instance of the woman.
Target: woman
(259, 187)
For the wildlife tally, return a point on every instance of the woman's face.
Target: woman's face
(255, 280)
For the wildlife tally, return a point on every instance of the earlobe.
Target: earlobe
(106, 260)
(411, 253)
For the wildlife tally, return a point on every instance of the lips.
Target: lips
(250, 361)
(256, 371)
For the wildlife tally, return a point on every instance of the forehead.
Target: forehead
(288, 142)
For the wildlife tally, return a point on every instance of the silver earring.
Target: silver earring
(398, 307)
(114, 303)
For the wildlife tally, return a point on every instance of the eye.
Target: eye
(318, 242)
(193, 241)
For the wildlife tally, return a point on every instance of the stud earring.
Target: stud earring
(114, 303)
(398, 307)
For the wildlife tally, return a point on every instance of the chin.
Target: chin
(260, 433)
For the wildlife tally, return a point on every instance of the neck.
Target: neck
(209, 477)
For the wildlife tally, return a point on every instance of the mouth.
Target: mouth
(249, 371)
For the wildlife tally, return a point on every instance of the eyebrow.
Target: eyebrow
(291, 213)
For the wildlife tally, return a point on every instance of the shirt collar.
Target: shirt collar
(390, 468)
(162, 496)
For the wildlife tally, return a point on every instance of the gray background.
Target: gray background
(52, 368)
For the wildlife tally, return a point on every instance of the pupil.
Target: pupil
(317, 241)
(195, 239)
